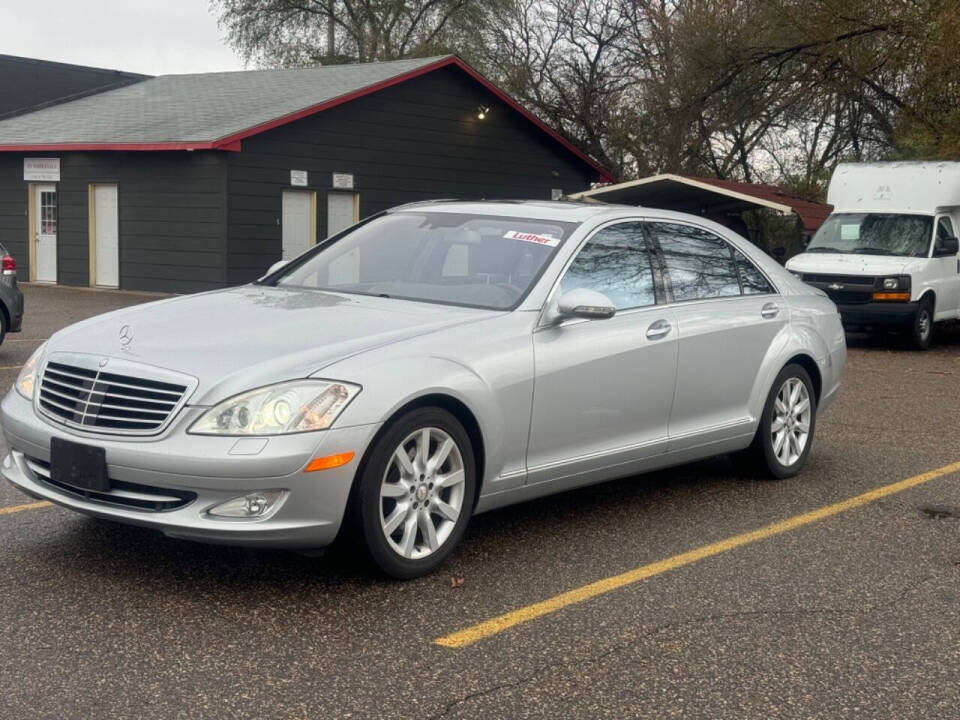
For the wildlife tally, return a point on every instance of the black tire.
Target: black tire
(367, 502)
(761, 453)
(921, 332)
(3, 326)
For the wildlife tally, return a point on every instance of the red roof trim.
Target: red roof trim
(232, 142)
(117, 146)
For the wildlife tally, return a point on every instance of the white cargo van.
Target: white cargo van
(888, 254)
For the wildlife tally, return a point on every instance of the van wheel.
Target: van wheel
(416, 493)
(922, 332)
(785, 435)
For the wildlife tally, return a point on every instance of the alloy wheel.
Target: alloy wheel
(790, 425)
(422, 493)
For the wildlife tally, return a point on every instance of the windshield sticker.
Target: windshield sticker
(547, 240)
(850, 232)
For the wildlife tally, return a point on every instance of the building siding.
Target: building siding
(172, 217)
(418, 140)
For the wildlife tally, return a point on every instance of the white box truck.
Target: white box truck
(888, 254)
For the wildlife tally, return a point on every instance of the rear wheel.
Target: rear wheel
(416, 493)
(921, 333)
(785, 435)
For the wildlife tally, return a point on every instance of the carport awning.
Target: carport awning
(708, 196)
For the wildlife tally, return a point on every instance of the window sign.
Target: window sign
(298, 178)
(343, 181)
(41, 169)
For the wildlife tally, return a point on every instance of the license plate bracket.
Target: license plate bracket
(80, 466)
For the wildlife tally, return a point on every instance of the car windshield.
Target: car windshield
(874, 234)
(456, 259)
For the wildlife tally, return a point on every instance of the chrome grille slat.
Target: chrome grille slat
(110, 402)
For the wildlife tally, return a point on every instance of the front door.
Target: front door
(341, 211)
(603, 388)
(45, 233)
(728, 315)
(295, 223)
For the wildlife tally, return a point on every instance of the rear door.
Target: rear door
(727, 314)
(603, 388)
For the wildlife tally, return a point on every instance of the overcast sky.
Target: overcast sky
(148, 36)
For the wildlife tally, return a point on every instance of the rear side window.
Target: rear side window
(752, 281)
(944, 228)
(614, 262)
(699, 264)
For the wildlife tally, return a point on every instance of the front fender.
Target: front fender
(500, 406)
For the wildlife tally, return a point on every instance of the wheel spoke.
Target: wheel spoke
(396, 517)
(427, 529)
(802, 426)
(441, 455)
(801, 407)
(423, 448)
(777, 424)
(784, 454)
(795, 393)
(402, 459)
(778, 441)
(450, 479)
(409, 536)
(780, 407)
(446, 510)
(393, 490)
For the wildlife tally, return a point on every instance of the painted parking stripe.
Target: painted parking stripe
(488, 628)
(10, 509)
(10, 367)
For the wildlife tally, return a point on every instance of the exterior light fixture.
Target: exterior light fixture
(482, 112)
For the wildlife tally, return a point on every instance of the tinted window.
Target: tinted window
(615, 263)
(699, 264)
(751, 279)
(454, 258)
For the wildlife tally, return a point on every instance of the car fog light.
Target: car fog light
(254, 505)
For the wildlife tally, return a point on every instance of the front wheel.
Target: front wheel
(922, 331)
(785, 436)
(416, 493)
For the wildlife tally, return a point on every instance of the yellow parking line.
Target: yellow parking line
(10, 367)
(485, 629)
(9, 510)
(10, 340)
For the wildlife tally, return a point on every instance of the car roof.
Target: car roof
(560, 211)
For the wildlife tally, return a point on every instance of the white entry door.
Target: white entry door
(106, 236)
(341, 211)
(45, 233)
(295, 223)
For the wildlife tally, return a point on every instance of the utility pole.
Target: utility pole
(331, 26)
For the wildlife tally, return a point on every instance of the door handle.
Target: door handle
(770, 310)
(658, 329)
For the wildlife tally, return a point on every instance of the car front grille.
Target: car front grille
(844, 289)
(98, 401)
(121, 494)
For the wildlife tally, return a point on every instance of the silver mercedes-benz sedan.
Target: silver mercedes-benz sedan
(432, 362)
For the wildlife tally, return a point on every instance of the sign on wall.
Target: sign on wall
(343, 181)
(298, 178)
(41, 169)
(556, 194)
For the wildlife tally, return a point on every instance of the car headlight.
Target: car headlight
(899, 282)
(287, 407)
(27, 379)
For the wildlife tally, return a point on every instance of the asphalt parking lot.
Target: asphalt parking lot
(852, 612)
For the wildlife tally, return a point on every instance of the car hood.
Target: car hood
(236, 339)
(849, 264)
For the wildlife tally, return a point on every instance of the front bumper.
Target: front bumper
(878, 313)
(215, 469)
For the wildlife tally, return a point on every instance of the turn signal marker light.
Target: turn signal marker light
(328, 462)
(897, 296)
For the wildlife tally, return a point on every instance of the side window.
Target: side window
(752, 280)
(614, 262)
(699, 264)
(944, 228)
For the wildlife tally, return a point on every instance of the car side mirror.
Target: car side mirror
(585, 303)
(946, 246)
